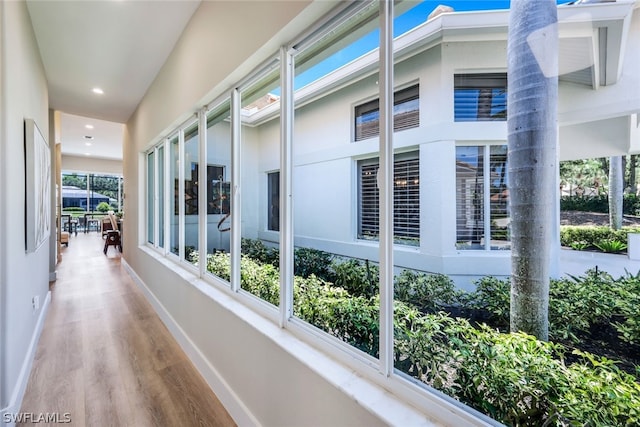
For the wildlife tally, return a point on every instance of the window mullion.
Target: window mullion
(286, 186)
(167, 196)
(486, 195)
(202, 191)
(181, 216)
(235, 189)
(385, 182)
(156, 198)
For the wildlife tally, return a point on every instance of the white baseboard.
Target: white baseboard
(232, 403)
(15, 403)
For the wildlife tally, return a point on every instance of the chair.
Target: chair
(113, 236)
(105, 226)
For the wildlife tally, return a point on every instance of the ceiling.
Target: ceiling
(115, 45)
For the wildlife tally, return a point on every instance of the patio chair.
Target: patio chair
(113, 235)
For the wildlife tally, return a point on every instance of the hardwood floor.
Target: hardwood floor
(105, 358)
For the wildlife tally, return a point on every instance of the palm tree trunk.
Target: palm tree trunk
(532, 56)
(633, 163)
(615, 192)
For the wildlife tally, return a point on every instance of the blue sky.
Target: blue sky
(402, 24)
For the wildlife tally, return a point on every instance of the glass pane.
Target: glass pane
(219, 191)
(174, 176)
(190, 165)
(150, 196)
(273, 198)
(160, 184)
(499, 198)
(336, 277)
(260, 154)
(469, 197)
(480, 97)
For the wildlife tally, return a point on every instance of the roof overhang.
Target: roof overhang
(591, 47)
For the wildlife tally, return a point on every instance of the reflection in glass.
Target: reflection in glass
(219, 191)
(174, 177)
(336, 284)
(260, 154)
(190, 165)
(150, 196)
(160, 184)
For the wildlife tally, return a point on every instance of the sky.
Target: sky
(402, 24)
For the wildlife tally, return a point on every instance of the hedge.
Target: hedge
(514, 378)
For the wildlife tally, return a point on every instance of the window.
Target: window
(273, 201)
(150, 197)
(481, 193)
(480, 97)
(406, 199)
(406, 114)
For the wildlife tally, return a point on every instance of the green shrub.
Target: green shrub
(308, 261)
(493, 296)
(103, 207)
(428, 292)
(630, 204)
(73, 209)
(258, 251)
(358, 278)
(513, 378)
(587, 236)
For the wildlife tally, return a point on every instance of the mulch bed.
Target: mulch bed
(594, 219)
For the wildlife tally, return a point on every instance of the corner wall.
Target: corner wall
(23, 276)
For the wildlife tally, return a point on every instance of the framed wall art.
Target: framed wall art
(38, 186)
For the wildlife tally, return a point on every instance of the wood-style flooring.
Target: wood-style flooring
(104, 356)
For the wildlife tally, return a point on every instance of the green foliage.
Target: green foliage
(597, 392)
(612, 246)
(514, 378)
(255, 249)
(103, 207)
(492, 295)
(358, 278)
(585, 237)
(73, 209)
(309, 261)
(427, 292)
(600, 203)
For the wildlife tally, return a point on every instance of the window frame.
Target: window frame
(487, 204)
(412, 156)
(406, 94)
(475, 80)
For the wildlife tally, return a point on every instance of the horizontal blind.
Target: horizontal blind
(406, 114)
(406, 200)
(369, 200)
(406, 191)
(480, 97)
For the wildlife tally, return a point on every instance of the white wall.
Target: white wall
(91, 165)
(23, 95)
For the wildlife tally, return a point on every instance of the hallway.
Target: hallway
(105, 358)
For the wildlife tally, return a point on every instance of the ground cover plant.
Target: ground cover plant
(457, 342)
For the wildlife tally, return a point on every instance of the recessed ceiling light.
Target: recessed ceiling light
(89, 126)
(88, 144)
(98, 90)
(87, 154)
(88, 137)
